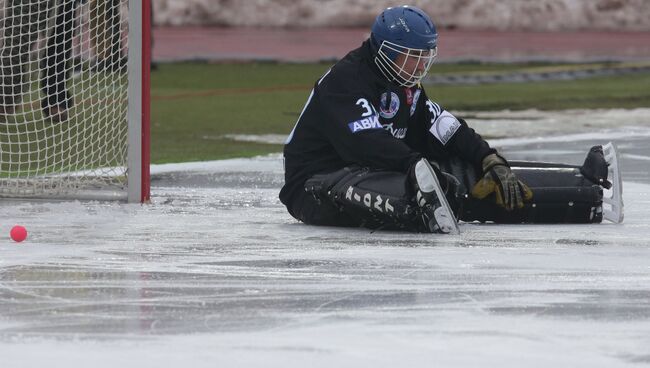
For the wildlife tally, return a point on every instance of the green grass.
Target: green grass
(627, 91)
(195, 104)
(33, 145)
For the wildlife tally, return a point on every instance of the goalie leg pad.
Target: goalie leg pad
(561, 194)
(550, 205)
(372, 199)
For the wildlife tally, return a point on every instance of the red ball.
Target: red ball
(18, 233)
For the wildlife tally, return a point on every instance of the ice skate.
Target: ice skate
(613, 197)
(436, 212)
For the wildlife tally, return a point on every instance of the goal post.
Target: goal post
(139, 100)
(74, 99)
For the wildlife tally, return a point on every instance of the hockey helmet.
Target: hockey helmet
(405, 42)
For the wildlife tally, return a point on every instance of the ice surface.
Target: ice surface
(215, 273)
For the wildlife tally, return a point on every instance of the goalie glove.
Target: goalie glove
(509, 192)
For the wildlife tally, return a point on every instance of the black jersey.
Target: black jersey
(354, 116)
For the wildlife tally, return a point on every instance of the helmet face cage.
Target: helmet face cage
(404, 71)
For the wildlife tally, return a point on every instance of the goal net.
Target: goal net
(74, 99)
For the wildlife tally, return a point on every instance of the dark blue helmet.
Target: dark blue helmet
(408, 31)
(406, 26)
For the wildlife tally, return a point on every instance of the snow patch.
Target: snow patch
(543, 15)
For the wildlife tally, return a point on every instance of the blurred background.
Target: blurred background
(307, 30)
(231, 76)
(539, 15)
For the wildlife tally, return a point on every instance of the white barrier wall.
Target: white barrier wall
(539, 15)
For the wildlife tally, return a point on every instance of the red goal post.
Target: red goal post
(140, 157)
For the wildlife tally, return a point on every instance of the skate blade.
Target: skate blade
(446, 224)
(613, 197)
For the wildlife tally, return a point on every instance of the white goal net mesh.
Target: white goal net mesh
(63, 97)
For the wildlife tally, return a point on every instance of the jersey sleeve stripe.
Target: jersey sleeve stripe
(299, 117)
(437, 108)
(305, 108)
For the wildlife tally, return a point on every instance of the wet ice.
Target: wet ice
(215, 272)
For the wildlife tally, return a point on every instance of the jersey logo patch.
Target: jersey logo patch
(416, 96)
(371, 122)
(444, 127)
(390, 111)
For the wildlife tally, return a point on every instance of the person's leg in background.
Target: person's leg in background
(23, 21)
(55, 64)
(105, 34)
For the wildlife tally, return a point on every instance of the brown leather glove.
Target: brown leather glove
(510, 193)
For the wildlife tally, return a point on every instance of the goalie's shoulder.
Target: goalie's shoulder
(433, 107)
(342, 84)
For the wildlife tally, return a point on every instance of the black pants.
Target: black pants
(55, 63)
(356, 197)
(23, 22)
